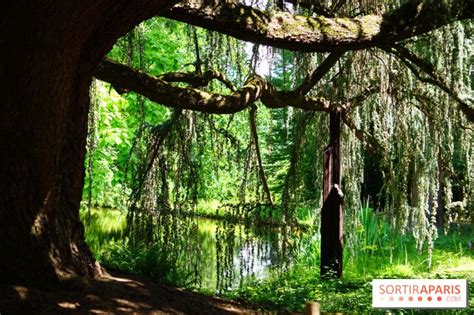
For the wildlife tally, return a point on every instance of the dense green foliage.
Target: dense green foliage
(155, 172)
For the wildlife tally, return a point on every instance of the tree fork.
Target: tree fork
(332, 216)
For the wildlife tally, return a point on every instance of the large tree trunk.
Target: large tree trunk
(51, 49)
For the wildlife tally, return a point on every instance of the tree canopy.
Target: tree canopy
(397, 73)
(402, 93)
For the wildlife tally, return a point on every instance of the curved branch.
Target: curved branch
(255, 88)
(320, 34)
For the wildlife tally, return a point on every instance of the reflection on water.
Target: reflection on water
(231, 254)
(190, 251)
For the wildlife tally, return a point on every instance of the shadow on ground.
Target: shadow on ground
(117, 293)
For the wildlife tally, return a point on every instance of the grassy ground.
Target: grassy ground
(290, 290)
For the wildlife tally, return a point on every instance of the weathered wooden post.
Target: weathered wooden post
(332, 219)
(312, 308)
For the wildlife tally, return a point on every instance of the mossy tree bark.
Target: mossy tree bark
(51, 49)
(160, 90)
(320, 33)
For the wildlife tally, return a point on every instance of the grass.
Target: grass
(149, 261)
(104, 229)
(379, 254)
(289, 291)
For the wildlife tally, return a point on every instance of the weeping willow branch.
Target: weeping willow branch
(290, 178)
(423, 105)
(366, 139)
(357, 100)
(414, 63)
(160, 133)
(261, 171)
(313, 6)
(198, 62)
(225, 133)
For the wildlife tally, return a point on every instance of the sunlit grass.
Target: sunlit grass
(290, 290)
(378, 252)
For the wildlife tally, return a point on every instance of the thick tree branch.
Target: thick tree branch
(412, 61)
(197, 80)
(320, 34)
(255, 88)
(160, 91)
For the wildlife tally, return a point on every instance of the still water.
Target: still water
(213, 255)
(231, 254)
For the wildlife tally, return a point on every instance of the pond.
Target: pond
(225, 254)
(210, 254)
(232, 254)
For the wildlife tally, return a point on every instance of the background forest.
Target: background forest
(230, 204)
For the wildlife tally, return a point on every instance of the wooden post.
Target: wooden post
(312, 308)
(332, 216)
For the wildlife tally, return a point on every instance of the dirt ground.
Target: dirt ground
(117, 293)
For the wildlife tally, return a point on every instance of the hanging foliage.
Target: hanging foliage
(407, 141)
